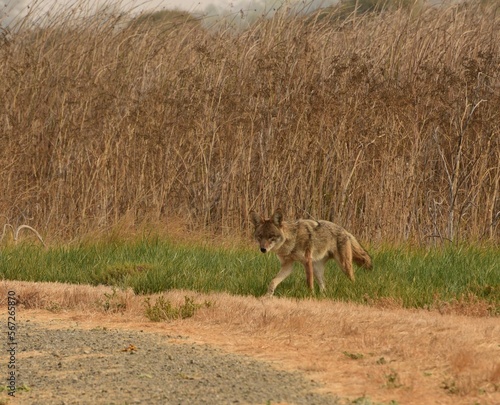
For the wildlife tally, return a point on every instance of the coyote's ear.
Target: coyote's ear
(256, 219)
(277, 218)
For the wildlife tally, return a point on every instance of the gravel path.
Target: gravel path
(77, 366)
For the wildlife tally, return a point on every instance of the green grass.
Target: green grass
(413, 278)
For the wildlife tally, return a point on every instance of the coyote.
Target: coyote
(309, 242)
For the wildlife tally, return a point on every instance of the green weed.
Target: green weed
(164, 310)
(393, 380)
(20, 388)
(364, 400)
(354, 356)
(450, 386)
(113, 302)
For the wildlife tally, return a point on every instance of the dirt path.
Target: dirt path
(62, 363)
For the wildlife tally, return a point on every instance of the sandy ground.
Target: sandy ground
(350, 351)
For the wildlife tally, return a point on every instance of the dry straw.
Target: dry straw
(385, 122)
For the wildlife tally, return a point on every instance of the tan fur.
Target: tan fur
(309, 242)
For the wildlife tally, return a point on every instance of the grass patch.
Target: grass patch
(164, 310)
(364, 400)
(113, 302)
(453, 279)
(353, 356)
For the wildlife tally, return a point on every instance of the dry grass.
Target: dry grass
(412, 357)
(386, 123)
(15, 232)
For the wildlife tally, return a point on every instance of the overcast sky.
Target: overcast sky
(15, 8)
(12, 9)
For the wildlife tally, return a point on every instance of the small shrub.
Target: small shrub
(113, 302)
(393, 380)
(163, 310)
(450, 386)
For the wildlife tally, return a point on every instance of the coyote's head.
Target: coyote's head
(268, 232)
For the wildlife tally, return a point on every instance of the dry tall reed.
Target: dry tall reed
(387, 123)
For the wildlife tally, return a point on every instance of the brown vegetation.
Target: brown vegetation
(409, 357)
(384, 122)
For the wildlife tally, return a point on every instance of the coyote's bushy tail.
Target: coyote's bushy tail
(359, 255)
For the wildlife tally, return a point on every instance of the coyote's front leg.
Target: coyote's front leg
(286, 270)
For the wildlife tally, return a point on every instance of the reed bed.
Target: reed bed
(385, 122)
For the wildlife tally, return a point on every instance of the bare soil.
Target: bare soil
(80, 344)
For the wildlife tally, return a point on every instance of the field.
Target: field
(461, 280)
(422, 327)
(132, 149)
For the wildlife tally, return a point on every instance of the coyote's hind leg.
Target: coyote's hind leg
(319, 271)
